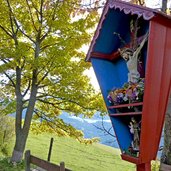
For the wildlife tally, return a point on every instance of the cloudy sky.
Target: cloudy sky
(154, 3)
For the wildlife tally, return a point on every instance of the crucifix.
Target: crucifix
(131, 58)
(130, 53)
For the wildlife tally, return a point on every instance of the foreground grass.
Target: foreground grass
(77, 157)
(5, 165)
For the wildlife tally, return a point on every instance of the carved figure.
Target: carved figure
(135, 129)
(131, 58)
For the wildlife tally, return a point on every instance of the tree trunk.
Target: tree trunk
(22, 132)
(19, 147)
(166, 153)
(164, 6)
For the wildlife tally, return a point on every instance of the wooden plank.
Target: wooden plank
(164, 91)
(131, 159)
(45, 164)
(153, 81)
(27, 160)
(126, 114)
(112, 56)
(125, 105)
(62, 166)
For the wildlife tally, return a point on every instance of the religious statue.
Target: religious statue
(135, 130)
(131, 58)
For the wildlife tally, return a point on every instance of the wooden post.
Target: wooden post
(62, 166)
(50, 149)
(144, 167)
(27, 160)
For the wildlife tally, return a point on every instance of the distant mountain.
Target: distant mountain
(87, 126)
(91, 127)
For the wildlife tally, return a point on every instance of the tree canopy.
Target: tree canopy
(42, 65)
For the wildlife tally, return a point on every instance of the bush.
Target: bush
(6, 133)
(155, 165)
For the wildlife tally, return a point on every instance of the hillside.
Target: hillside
(91, 127)
(78, 157)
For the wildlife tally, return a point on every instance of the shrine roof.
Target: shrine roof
(126, 8)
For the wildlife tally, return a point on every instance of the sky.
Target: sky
(153, 3)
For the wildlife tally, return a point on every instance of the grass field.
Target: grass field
(77, 157)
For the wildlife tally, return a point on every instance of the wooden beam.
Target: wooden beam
(112, 56)
(42, 163)
(115, 55)
(27, 160)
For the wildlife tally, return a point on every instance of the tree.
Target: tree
(42, 65)
(164, 5)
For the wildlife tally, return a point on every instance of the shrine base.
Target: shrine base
(144, 167)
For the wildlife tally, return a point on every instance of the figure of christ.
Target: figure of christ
(131, 58)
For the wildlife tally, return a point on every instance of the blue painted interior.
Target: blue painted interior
(107, 41)
(117, 22)
(122, 132)
(112, 74)
(109, 75)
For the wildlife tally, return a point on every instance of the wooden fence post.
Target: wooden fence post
(27, 160)
(50, 149)
(62, 166)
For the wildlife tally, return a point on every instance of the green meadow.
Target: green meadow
(77, 157)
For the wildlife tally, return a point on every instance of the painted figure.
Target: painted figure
(135, 130)
(131, 58)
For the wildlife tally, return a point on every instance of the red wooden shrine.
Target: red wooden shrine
(110, 70)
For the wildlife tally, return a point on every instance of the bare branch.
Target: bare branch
(103, 128)
(49, 45)
(42, 86)
(41, 11)
(28, 87)
(10, 16)
(55, 123)
(31, 15)
(22, 31)
(13, 84)
(67, 100)
(50, 103)
(45, 75)
(52, 19)
(8, 33)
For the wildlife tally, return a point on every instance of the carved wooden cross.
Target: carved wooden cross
(115, 55)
